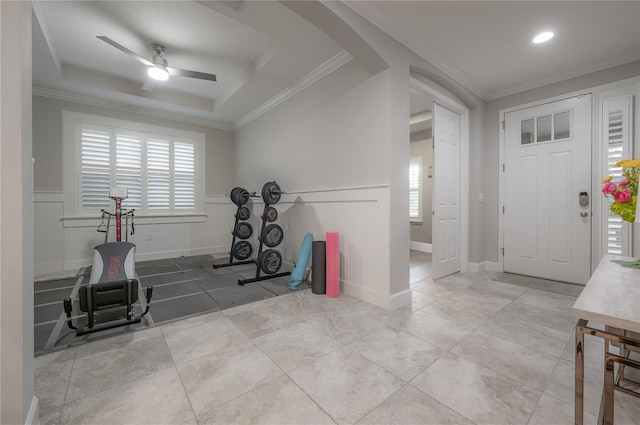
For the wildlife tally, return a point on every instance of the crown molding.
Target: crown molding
(320, 72)
(118, 106)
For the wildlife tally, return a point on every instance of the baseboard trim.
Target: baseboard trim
(399, 299)
(420, 246)
(485, 266)
(33, 417)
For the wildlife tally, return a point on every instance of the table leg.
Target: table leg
(609, 366)
(579, 364)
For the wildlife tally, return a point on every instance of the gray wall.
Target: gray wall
(491, 142)
(48, 146)
(421, 145)
(331, 135)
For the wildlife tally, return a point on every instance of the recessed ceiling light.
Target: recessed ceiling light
(542, 37)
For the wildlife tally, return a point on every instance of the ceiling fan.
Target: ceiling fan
(157, 66)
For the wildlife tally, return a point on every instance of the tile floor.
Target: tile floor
(468, 350)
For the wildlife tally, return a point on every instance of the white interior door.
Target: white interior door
(547, 181)
(446, 192)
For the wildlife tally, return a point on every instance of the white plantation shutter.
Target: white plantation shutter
(415, 188)
(616, 130)
(95, 167)
(158, 174)
(129, 168)
(185, 177)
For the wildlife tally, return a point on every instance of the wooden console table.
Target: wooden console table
(611, 298)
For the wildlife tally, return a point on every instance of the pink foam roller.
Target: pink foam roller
(333, 264)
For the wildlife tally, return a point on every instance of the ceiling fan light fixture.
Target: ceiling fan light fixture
(543, 37)
(158, 72)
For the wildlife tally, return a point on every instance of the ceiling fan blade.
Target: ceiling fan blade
(149, 84)
(191, 74)
(125, 50)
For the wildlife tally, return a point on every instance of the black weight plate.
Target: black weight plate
(272, 235)
(242, 250)
(271, 193)
(243, 230)
(270, 261)
(270, 214)
(239, 196)
(243, 213)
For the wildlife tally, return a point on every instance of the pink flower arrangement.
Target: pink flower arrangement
(625, 193)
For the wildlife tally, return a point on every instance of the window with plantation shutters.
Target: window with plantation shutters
(415, 188)
(616, 131)
(160, 172)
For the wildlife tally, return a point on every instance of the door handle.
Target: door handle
(584, 214)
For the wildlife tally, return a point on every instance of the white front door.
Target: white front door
(446, 192)
(547, 187)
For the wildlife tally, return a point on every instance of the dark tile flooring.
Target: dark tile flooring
(182, 287)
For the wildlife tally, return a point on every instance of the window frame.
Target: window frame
(419, 161)
(72, 163)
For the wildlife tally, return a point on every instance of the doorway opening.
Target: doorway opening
(421, 164)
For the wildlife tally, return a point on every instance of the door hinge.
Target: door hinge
(502, 249)
(503, 168)
(503, 209)
(503, 125)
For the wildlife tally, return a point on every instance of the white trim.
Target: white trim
(41, 197)
(476, 267)
(399, 299)
(458, 107)
(420, 246)
(85, 221)
(317, 74)
(596, 201)
(118, 106)
(33, 417)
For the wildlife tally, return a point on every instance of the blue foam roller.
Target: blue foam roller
(303, 258)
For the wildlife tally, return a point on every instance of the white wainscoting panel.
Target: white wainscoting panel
(360, 216)
(48, 233)
(214, 235)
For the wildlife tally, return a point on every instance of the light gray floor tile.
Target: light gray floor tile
(263, 320)
(345, 384)
(400, 353)
(51, 376)
(117, 342)
(593, 351)
(435, 289)
(486, 298)
(217, 378)
(420, 300)
(460, 312)
(410, 406)
(434, 329)
(277, 402)
(295, 346)
(155, 399)
(528, 334)
(528, 367)
(192, 321)
(564, 322)
(50, 416)
(195, 341)
(550, 410)
(345, 326)
(549, 300)
(476, 392)
(562, 384)
(103, 370)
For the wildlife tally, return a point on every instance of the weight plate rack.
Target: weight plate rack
(240, 250)
(268, 261)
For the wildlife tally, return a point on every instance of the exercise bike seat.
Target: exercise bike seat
(113, 261)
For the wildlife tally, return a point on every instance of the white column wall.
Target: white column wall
(18, 405)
